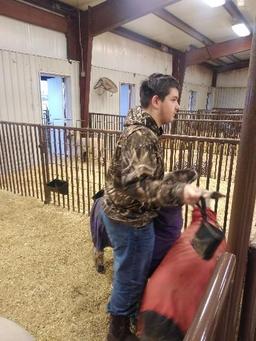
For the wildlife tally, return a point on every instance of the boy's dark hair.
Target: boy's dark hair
(156, 84)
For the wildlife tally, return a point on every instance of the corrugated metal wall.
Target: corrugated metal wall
(230, 97)
(231, 89)
(107, 102)
(117, 58)
(199, 79)
(20, 96)
(235, 79)
(31, 39)
(123, 61)
(117, 53)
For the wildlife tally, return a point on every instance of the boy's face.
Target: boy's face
(169, 106)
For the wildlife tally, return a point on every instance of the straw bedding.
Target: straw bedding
(48, 282)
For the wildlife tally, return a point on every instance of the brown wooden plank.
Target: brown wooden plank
(243, 198)
(113, 13)
(218, 50)
(33, 15)
(85, 77)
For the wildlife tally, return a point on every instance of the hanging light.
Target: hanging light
(241, 30)
(215, 3)
(240, 3)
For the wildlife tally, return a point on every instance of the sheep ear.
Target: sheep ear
(213, 195)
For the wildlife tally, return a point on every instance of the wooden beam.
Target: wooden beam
(209, 66)
(123, 32)
(54, 6)
(181, 25)
(113, 13)
(233, 58)
(236, 14)
(32, 15)
(214, 79)
(233, 66)
(85, 67)
(179, 68)
(243, 202)
(72, 35)
(218, 50)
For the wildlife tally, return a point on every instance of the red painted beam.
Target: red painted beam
(123, 32)
(113, 13)
(85, 67)
(218, 50)
(243, 203)
(181, 25)
(179, 68)
(233, 66)
(54, 6)
(32, 15)
(72, 35)
(214, 79)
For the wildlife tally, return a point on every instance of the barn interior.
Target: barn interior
(70, 71)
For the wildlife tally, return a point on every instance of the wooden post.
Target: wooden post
(214, 79)
(248, 315)
(243, 199)
(179, 68)
(85, 69)
(72, 35)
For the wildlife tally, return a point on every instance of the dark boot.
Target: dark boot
(119, 329)
(99, 260)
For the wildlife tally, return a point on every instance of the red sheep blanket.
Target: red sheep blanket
(173, 293)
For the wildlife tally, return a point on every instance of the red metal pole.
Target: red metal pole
(179, 68)
(243, 199)
(85, 69)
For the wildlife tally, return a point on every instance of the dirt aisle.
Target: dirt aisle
(48, 283)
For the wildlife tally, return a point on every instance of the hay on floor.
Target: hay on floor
(48, 283)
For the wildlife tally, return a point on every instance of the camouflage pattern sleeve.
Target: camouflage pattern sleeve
(139, 168)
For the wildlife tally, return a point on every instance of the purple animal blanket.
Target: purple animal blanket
(167, 225)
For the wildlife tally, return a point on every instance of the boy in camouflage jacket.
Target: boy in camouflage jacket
(135, 190)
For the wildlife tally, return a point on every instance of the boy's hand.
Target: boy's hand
(191, 194)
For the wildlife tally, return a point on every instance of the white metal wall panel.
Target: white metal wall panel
(231, 89)
(233, 79)
(201, 95)
(22, 37)
(117, 53)
(109, 103)
(230, 97)
(197, 74)
(123, 61)
(20, 95)
(199, 79)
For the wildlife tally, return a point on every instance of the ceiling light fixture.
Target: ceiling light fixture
(241, 30)
(240, 3)
(215, 3)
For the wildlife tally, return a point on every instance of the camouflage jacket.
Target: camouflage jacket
(135, 184)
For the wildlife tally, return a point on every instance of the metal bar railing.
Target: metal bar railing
(82, 156)
(209, 312)
(214, 125)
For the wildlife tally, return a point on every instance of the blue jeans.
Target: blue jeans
(133, 250)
